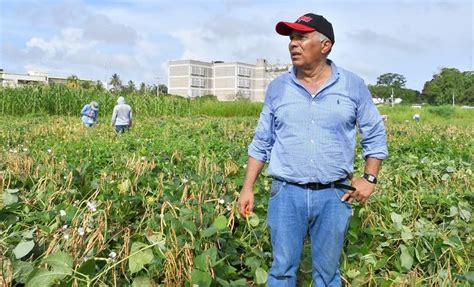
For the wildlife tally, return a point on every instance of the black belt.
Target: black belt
(318, 186)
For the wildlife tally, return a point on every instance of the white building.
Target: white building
(226, 81)
(13, 80)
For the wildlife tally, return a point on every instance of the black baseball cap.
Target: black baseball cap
(307, 23)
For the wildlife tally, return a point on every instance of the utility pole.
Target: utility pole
(158, 86)
(392, 97)
(453, 98)
(105, 77)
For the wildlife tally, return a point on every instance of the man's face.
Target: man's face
(306, 48)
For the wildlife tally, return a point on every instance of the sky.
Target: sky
(93, 39)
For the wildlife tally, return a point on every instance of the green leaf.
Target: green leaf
(22, 270)
(23, 248)
(397, 220)
(208, 232)
(260, 276)
(252, 262)
(254, 220)
(137, 261)
(450, 169)
(200, 278)
(158, 239)
(60, 262)
(87, 268)
(12, 190)
(406, 258)
(209, 256)
(220, 222)
(28, 234)
(470, 276)
(445, 177)
(240, 282)
(406, 234)
(42, 277)
(9, 198)
(352, 273)
(142, 281)
(465, 214)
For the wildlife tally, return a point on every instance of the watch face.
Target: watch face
(370, 178)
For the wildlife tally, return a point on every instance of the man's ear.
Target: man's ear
(327, 45)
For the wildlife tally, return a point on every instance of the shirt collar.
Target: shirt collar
(334, 70)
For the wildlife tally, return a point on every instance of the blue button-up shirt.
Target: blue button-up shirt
(311, 138)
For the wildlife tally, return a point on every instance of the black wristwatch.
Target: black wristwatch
(370, 178)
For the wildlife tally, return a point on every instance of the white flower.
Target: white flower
(85, 258)
(81, 231)
(15, 151)
(64, 227)
(66, 236)
(92, 206)
(185, 180)
(143, 158)
(62, 213)
(50, 150)
(11, 150)
(25, 149)
(112, 254)
(229, 208)
(221, 201)
(162, 216)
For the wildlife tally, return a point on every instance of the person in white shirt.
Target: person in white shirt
(121, 116)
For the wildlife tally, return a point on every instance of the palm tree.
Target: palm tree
(131, 87)
(116, 83)
(142, 88)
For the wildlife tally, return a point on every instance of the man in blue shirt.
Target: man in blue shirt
(307, 133)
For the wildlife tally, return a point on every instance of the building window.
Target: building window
(198, 71)
(197, 82)
(243, 94)
(245, 72)
(244, 83)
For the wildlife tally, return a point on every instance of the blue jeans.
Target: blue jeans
(295, 212)
(121, 128)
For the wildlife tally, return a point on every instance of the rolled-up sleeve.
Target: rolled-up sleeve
(371, 126)
(262, 143)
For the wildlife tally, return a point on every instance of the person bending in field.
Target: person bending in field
(121, 116)
(307, 133)
(89, 114)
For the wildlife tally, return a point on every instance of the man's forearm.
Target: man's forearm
(372, 165)
(254, 167)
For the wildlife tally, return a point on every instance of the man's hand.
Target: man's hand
(245, 202)
(363, 190)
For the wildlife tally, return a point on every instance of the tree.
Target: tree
(449, 82)
(116, 83)
(130, 87)
(142, 89)
(163, 89)
(86, 84)
(98, 86)
(389, 82)
(392, 79)
(72, 82)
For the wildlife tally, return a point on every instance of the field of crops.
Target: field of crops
(157, 206)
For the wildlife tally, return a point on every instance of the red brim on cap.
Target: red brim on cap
(285, 28)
